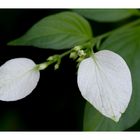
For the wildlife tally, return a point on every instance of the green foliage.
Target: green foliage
(60, 31)
(107, 15)
(126, 43)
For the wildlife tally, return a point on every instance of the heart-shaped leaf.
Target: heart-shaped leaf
(105, 81)
(18, 78)
(127, 44)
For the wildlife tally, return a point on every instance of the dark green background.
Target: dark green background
(56, 104)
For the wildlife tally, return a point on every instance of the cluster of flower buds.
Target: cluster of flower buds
(78, 53)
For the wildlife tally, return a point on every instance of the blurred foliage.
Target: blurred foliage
(107, 15)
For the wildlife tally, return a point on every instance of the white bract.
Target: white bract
(18, 78)
(105, 81)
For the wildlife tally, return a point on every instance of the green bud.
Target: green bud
(81, 53)
(42, 66)
(77, 48)
(50, 58)
(73, 55)
(56, 66)
(80, 59)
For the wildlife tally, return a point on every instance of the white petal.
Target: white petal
(18, 78)
(105, 81)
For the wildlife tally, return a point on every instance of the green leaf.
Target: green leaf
(59, 31)
(126, 43)
(107, 15)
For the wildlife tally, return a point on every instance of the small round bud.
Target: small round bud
(80, 59)
(56, 66)
(50, 58)
(73, 55)
(77, 48)
(81, 53)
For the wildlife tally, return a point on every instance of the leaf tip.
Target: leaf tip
(116, 118)
(13, 42)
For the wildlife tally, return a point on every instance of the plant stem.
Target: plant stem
(65, 53)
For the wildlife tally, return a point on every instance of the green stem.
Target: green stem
(65, 53)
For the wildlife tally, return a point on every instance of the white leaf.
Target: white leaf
(18, 78)
(105, 81)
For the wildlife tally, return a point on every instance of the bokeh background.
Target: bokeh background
(56, 104)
